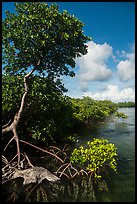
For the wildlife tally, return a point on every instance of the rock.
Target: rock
(35, 175)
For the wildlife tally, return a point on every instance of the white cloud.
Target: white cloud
(126, 68)
(113, 93)
(93, 65)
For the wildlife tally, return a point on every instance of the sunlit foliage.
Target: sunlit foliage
(90, 110)
(120, 115)
(96, 157)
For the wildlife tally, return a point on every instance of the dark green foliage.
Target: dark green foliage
(42, 115)
(39, 37)
(126, 104)
(39, 32)
(12, 91)
(47, 114)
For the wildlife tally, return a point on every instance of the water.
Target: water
(121, 132)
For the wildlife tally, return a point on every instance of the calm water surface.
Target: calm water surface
(121, 132)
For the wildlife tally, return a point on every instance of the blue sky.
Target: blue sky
(108, 70)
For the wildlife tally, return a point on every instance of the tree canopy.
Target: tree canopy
(39, 44)
(39, 36)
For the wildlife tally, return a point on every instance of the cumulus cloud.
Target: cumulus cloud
(93, 65)
(126, 68)
(113, 93)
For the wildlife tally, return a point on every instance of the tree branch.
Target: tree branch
(42, 150)
(17, 116)
(6, 124)
(9, 143)
(7, 129)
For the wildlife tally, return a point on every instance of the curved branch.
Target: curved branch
(4, 126)
(17, 142)
(9, 143)
(17, 116)
(43, 150)
(7, 129)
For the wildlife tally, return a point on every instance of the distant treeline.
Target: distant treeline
(48, 115)
(126, 104)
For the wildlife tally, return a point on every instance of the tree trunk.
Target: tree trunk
(13, 126)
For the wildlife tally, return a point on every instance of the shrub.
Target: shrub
(98, 155)
(120, 115)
